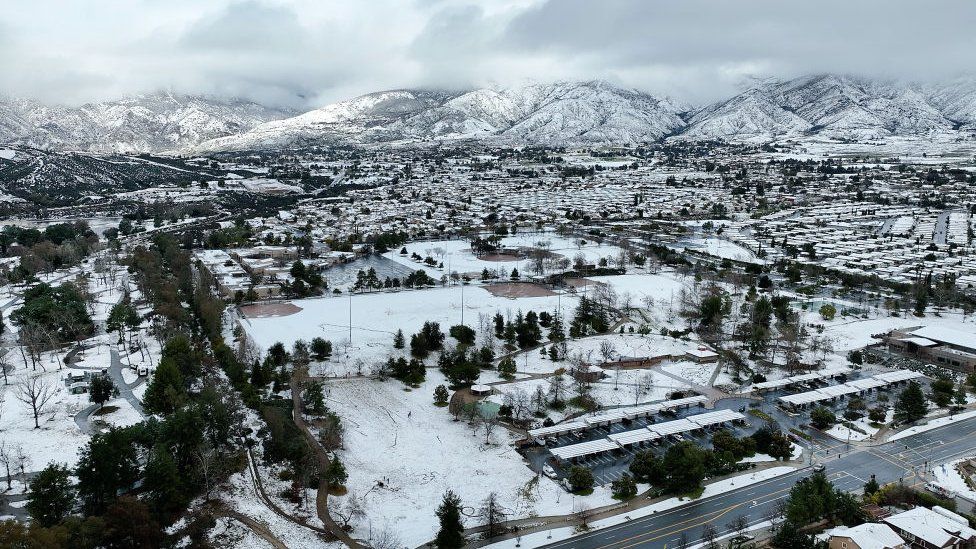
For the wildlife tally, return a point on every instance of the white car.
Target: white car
(548, 471)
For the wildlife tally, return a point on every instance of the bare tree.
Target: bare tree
(607, 350)
(4, 365)
(385, 539)
(208, 466)
(348, 511)
(488, 424)
(38, 394)
(737, 525)
(7, 459)
(643, 385)
(492, 515)
(21, 461)
(519, 401)
(709, 535)
(583, 514)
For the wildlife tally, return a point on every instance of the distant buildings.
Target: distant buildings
(953, 349)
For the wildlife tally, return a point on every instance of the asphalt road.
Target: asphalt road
(901, 460)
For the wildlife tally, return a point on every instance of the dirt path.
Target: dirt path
(259, 528)
(263, 496)
(299, 376)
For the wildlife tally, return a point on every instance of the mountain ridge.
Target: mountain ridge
(588, 112)
(140, 123)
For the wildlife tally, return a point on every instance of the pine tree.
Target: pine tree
(101, 389)
(52, 495)
(441, 395)
(911, 404)
(399, 341)
(166, 390)
(451, 533)
(336, 473)
(163, 482)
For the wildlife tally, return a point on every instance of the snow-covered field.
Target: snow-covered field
(58, 439)
(719, 247)
(398, 437)
(456, 254)
(376, 318)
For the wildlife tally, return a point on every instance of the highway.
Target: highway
(902, 460)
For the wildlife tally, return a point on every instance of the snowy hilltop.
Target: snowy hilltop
(143, 123)
(562, 112)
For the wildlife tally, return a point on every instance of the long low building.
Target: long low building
(826, 373)
(644, 410)
(615, 416)
(855, 387)
(651, 432)
(560, 429)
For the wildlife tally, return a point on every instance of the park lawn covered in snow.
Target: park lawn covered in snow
(58, 439)
(118, 413)
(627, 345)
(726, 249)
(797, 452)
(698, 374)
(663, 287)
(604, 391)
(377, 316)
(418, 451)
(457, 256)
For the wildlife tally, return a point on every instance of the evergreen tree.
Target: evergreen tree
(910, 405)
(506, 368)
(451, 533)
(314, 398)
(52, 495)
(441, 395)
(101, 389)
(398, 340)
(580, 478)
(322, 348)
(107, 466)
(166, 391)
(336, 474)
(163, 483)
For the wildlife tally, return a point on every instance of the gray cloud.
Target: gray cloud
(307, 52)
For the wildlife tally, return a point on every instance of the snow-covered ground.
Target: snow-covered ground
(456, 254)
(947, 475)
(376, 318)
(719, 247)
(398, 437)
(932, 425)
(58, 439)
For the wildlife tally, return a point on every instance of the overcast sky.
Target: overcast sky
(306, 53)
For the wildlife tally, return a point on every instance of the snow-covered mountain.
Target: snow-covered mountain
(561, 113)
(836, 107)
(143, 123)
(956, 100)
(557, 113)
